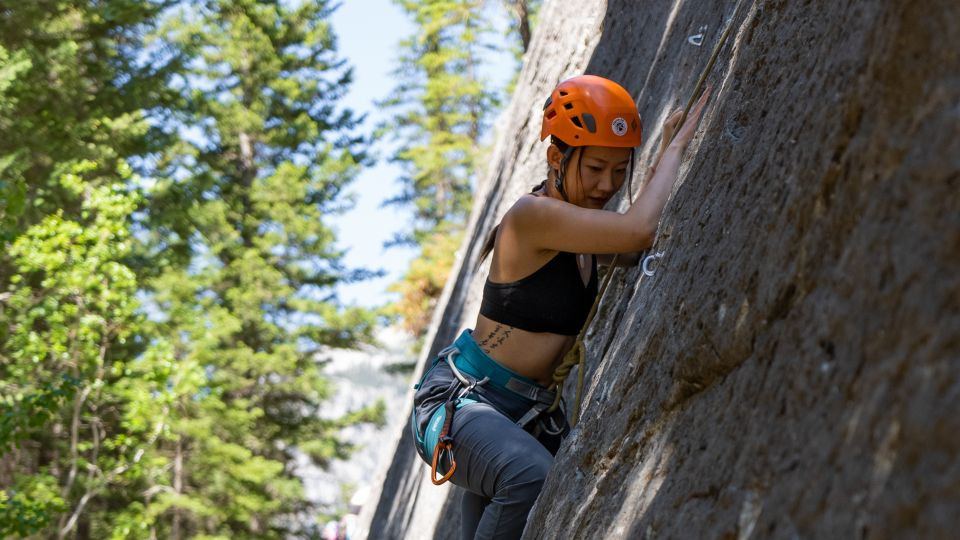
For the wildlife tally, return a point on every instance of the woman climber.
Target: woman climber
(481, 411)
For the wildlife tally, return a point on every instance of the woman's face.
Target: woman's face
(602, 171)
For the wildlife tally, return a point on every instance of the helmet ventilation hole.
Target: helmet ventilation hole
(551, 114)
(576, 122)
(589, 120)
(568, 106)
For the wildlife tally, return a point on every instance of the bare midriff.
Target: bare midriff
(531, 354)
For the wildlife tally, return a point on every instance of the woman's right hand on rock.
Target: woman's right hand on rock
(689, 127)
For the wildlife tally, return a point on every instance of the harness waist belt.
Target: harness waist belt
(473, 361)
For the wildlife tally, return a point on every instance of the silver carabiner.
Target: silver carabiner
(447, 355)
(468, 383)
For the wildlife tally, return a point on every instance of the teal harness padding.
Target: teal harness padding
(432, 434)
(472, 361)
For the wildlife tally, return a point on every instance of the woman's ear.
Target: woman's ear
(554, 157)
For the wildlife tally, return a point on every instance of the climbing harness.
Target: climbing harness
(472, 368)
(436, 440)
(576, 355)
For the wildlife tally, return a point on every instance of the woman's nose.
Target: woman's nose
(608, 181)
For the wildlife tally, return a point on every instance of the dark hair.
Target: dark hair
(568, 151)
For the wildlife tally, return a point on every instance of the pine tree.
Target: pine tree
(444, 108)
(72, 93)
(245, 263)
(524, 15)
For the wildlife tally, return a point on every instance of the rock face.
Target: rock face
(792, 370)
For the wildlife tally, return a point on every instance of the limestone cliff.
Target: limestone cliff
(792, 370)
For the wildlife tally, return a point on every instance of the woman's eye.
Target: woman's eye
(594, 169)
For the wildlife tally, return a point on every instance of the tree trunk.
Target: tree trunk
(177, 488)
(522, 11)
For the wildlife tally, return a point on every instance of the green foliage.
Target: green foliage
(424, 280)
(237, 221)
(12, 187)
(68, 95)
(443, 111)
(523, 16)
(74, 103)
(443, 107)
(30, 409)
(71, 311)
(159, 329)
(29, 505)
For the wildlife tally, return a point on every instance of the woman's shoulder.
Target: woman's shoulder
(532, 202)
(533, 210)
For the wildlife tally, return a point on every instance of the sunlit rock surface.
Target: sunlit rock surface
(792, 370)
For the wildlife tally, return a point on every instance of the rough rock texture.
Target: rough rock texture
(793, 368)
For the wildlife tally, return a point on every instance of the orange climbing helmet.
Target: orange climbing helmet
(591, 111)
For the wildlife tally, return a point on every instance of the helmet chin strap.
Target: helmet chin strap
(558, 181)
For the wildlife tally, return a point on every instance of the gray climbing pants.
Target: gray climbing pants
(500, 465)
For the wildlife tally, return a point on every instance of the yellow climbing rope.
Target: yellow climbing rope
(576, 355)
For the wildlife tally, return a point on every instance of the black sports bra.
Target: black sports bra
(552, 299)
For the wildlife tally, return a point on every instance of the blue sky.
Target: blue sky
(369, 32)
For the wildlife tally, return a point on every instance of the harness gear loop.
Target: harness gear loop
(550, 426)
(576, 354)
